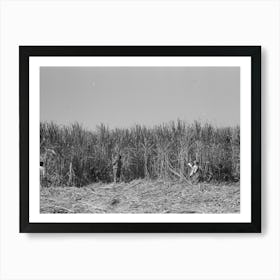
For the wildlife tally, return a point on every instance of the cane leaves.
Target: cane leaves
(163, 151)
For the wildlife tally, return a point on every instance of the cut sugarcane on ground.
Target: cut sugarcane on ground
(142, 196)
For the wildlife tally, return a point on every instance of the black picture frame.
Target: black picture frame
(25, 52)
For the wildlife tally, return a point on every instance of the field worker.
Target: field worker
(117, 168)
(194, 175)
(194, 168)
(42, 172)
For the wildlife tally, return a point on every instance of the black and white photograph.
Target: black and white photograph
(140, 139)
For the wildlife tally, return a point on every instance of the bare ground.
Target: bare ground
(142, 196)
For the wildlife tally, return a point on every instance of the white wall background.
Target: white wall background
(148, 256)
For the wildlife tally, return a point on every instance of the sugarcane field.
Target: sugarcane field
(170, 168)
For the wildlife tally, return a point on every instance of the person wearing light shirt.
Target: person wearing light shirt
(194, 167)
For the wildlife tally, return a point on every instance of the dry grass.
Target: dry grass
(142, 196)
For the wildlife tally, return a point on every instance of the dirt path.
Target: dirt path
(141, 196)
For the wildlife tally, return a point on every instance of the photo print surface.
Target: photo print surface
(139, 139)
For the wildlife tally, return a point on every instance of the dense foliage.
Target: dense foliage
(76, 157)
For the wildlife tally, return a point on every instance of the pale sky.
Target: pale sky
(123, 96)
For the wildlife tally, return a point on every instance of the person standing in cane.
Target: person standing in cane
(117, 167)
(195, 172)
